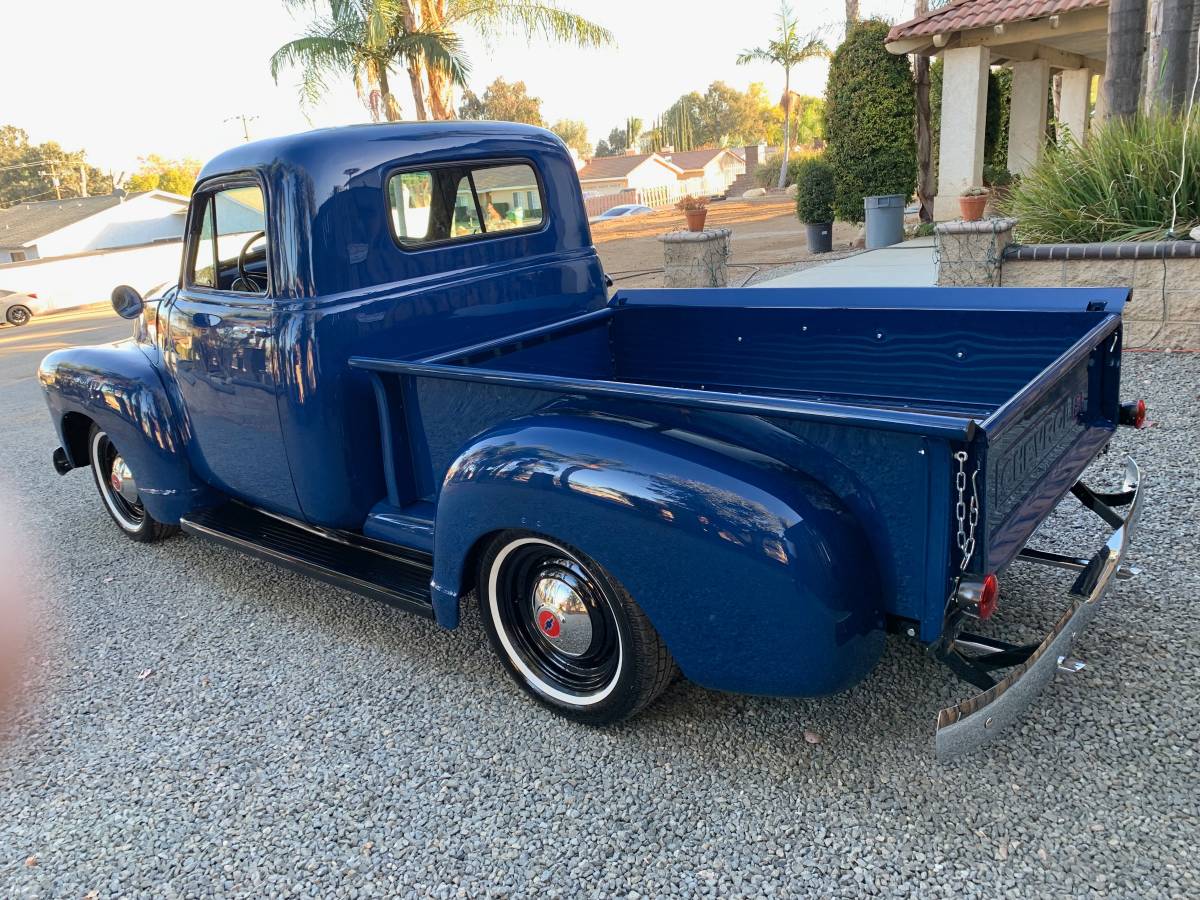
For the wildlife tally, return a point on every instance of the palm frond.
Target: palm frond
(441, 50)
(758, 54)
(316, 52)
(531, 18)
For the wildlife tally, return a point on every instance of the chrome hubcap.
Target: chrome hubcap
(560, 613)
(122, 480)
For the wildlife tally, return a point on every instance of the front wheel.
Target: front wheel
(19, 315)
(118, 489)
(567, 632)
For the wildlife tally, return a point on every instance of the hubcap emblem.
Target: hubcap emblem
(548, 624)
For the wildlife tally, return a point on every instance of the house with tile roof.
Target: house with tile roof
(633, 171)
(1036, 39)
(54, 228)
(715, 168)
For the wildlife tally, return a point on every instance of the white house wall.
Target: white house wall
(89, 278)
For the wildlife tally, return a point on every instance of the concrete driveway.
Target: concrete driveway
(198, 723)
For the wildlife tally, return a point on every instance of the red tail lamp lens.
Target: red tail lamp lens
(989, 597)
(1139, 414)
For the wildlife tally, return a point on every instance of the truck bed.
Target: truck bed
(881, 386)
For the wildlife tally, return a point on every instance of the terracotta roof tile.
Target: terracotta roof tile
(964, 14)
(615, 166)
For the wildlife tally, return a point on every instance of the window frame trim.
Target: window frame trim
(471, 165)
(208, 189)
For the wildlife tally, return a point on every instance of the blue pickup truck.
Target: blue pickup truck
(391, 362)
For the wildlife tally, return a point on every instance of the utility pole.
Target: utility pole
(245, 120)
(83, 192)
(54, 179)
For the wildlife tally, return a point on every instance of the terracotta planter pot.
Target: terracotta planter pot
(695, 218)
(971, 208)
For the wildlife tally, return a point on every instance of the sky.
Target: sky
(170, 77)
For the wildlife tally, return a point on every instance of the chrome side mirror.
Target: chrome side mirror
(127, 302)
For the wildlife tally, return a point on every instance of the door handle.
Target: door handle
(205, 320)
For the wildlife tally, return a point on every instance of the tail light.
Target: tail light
(32, 294)
(1133, 414)
(979, 597)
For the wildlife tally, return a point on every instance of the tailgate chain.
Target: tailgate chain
(967, 520)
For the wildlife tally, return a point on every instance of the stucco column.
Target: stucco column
(1075, 102)
(1027, 114)
(964, 107)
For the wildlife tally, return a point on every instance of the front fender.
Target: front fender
(115, 386)
(755, 575)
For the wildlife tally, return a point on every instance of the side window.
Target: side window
(204, 269)
(455, 202)
(230, 245)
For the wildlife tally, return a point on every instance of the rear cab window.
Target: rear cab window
(463, 202)
(229, 243)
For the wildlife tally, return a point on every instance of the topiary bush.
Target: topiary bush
(814, 191)
(869, 114)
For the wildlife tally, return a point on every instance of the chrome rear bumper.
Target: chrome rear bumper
(970, 724)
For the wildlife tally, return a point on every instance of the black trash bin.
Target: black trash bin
(820, 236)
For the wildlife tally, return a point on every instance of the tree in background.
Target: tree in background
(1168, 58)
(31, 172)
(869, 115)
(543, 20)
(364, 39)
(1123, 63)
(788, 49)
(852, 14)
(575, 135)
(177, 176)
(503, 101)
(613, 145)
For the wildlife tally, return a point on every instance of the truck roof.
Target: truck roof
(350, 149)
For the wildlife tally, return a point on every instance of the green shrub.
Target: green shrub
(767, 173)
(869, 114)
(1117, 187)
(814, 190)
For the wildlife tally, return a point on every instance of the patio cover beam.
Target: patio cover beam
(1061, 25)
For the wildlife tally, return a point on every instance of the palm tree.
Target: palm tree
(364, 38)
(788, 49)
(533, 18)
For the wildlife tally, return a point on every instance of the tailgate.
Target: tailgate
(1037, 444)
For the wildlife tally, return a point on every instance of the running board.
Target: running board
(400, 579)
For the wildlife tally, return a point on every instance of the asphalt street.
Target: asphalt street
(197, 723)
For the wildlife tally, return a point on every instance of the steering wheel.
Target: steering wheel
(245, 277)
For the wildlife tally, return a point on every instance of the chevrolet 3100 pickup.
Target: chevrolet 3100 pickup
(391, 361)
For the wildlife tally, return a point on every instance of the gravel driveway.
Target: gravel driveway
(199, 723)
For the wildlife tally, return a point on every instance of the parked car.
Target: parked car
(18, 308)
(752, 487)
(620, 212)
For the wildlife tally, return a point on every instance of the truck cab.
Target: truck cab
(391, 362)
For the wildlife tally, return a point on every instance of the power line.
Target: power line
(36, 162)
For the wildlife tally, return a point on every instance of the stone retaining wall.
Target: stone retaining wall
(1163, 312)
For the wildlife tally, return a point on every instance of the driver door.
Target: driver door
(222, 350)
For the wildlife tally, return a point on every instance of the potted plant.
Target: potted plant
(971, 203)
(814, 202)
(695, 209)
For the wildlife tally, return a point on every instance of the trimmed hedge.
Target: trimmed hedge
(815, 191)
(870, 109)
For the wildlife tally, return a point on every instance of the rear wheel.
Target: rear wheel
(118, 489)
(568, 632)
(19, 315)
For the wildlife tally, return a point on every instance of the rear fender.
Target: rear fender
(116, 387)
(755, 575)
